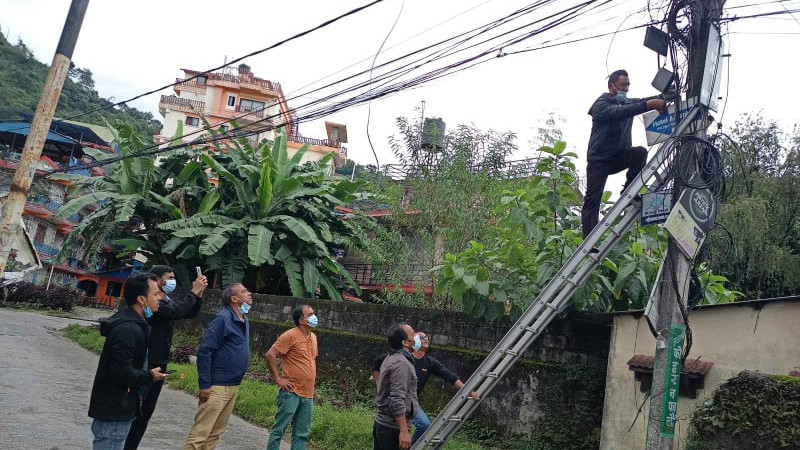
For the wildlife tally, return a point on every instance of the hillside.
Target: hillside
(21, 80)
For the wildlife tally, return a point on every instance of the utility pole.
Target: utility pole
(673, 286)
(23, 176)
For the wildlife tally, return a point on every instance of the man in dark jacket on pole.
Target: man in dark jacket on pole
(122, 370)
(162, 327)
(610, 148)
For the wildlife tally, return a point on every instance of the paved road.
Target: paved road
(45, 381)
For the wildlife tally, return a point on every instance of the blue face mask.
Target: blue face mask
(148, 313)
(170, 286)
(244, 308)
(621, 96)
(417, 343)
(313, 321)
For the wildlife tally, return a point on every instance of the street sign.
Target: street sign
(658, 127)
(669, 401)
(655, 207)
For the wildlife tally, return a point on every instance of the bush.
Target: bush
(24, 292)
(59, 297)
(181, 354)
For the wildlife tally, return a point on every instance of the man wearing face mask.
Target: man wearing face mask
(223, 357)
(122, 371)
(424, 366)
(162, 327)
(610, 147)
(297, 349)
(396, 398)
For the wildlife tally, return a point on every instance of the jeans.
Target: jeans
(110, 435)
(597, 173)
(297, 411)
(421, 422)
(385, 438)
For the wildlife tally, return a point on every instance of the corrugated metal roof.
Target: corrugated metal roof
(24, 128)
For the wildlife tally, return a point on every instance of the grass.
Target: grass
(331, 428)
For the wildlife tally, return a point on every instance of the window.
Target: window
(193, 121)
(231, 101)
(250, 105)
(224, 128)
(201, 80)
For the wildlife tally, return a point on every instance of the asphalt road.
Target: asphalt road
(45, 382)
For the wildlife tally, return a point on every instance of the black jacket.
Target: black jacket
(162, 326)
(611, 126)
(424, 368)
(120, 373)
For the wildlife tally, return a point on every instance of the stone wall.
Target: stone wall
(562, 371)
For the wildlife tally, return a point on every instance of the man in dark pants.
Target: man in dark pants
(162, 327)
(610, 148)
(397, 392)
(121, 373)
(424, 366)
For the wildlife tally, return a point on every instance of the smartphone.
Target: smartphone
(170, 372)
(199, 271)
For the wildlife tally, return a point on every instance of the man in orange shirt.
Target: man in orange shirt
(297, 349)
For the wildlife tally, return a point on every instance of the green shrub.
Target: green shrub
(87, 337)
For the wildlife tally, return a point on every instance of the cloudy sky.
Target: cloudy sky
(132, 47)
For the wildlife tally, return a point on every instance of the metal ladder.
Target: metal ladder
(554, 298)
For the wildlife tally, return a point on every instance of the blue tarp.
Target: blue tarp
(24, 128)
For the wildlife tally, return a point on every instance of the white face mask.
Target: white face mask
(170, 286)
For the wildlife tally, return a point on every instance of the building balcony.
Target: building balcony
(250, 111)
(318, 142)
(189, 86)
(176, 103)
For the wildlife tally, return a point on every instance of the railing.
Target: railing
(320, 142)
(93, 302)
(191, 85)
(43, 200)
(258, 112)
(41, 247)
(363, 274)
(523, 168)
(175, 101)
(246, 80)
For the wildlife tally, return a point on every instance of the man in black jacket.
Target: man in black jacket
(610, 148)
(122, 370)
(424, 366)
(162, 328)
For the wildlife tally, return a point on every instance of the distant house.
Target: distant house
(256, 104)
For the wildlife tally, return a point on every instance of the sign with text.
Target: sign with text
(669, 402)
(684, 231)
(702, 206)
(658, 127)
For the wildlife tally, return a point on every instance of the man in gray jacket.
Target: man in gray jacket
(610, 148)
(397, 391)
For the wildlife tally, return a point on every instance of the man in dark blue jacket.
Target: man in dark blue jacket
(222, 360)
(122, 370)
(162, 327)
(610, 148)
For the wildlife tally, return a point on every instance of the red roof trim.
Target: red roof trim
(644, 363)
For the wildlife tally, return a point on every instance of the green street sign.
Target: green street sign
(669, 401)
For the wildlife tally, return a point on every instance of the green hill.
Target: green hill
(21, 81)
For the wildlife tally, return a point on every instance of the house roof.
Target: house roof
(644, 363)
(24, 128)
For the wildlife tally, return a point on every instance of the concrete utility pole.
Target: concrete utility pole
(23, 176)
(674, 283)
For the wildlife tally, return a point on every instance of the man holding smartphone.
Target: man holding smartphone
(162, 327)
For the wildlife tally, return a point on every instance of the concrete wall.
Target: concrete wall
(757, 336)
(563, 371)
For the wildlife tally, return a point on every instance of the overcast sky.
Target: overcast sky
(132, 47)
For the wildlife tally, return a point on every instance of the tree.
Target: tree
(242, 211)
(537, 231)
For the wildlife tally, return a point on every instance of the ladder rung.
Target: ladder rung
(454, 419)
(490, 374)
(510, 352)
(532, 329)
